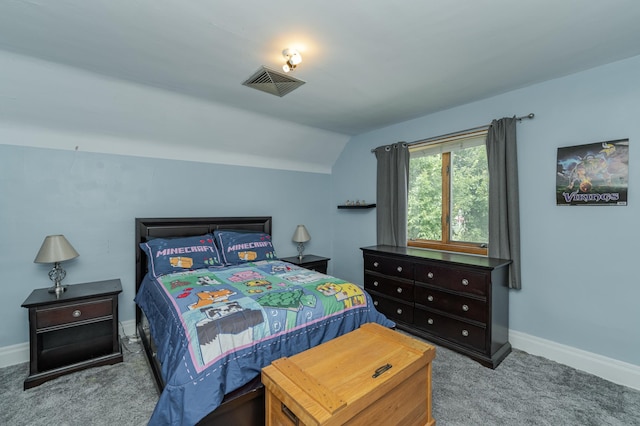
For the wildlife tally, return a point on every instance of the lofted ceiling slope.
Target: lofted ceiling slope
(366, 63)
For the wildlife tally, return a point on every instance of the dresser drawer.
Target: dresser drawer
(461, 306)
(451, 329)
(390, 287)
(50, 317)
(457, 279)
(389, 266)
(392, 309)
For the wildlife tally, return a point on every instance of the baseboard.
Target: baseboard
(608, 368)
(19, 353)
(14, 354)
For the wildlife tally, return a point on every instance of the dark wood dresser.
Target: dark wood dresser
(455, 300)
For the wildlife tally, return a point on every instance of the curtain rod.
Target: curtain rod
(473, 129)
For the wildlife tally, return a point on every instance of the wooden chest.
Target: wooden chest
(371, 376)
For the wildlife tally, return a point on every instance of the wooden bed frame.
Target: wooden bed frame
(244, 406)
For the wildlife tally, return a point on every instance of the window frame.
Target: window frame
(445, 143)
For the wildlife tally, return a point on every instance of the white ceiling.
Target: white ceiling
(367, 63)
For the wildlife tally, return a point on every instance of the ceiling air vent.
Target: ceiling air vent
(273, 82)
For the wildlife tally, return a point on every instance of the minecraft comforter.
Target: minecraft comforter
(216, 328)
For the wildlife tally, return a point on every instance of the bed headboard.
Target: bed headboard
(147, 229)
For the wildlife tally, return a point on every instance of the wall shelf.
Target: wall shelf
(358, 206)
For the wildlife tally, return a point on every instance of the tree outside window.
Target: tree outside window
(448, 198)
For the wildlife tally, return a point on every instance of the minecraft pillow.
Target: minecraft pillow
(168, 255)
(242, 247)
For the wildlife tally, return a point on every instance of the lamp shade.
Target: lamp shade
(55, 248)
(301, 235)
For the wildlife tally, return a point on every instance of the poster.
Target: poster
(593, 174)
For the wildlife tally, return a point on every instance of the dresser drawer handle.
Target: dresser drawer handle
(430, 275)
(465, 281)
(375, 303)
(399, 268)
(76, 313)
(399, 290)
(430, 321)
(375, 283)
(465, 308)
(430, 298)
(399, 311)
(465, 333)
(375, 264)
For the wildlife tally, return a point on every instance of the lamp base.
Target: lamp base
(58, 289)
(57, 274)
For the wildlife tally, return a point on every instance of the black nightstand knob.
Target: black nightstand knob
(76, 313)
(399, 268)
(375, 264)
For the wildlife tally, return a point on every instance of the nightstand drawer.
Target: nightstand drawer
(317, 266)
(50, 317)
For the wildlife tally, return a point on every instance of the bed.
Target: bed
(209, 321)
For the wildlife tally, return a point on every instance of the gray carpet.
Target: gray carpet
(523, 390)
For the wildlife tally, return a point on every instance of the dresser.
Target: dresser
(455, 300)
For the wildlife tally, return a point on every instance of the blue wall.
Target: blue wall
(93, 199)
(580, 285)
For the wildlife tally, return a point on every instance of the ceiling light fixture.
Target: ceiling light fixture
(293, 59)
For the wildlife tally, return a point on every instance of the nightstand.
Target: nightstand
(309, 261)
(78, 330)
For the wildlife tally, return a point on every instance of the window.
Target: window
(448, 200)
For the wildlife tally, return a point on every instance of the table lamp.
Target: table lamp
(56, 249)
(301, 236)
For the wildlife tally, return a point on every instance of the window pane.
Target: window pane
(469, 195)
(425, 198)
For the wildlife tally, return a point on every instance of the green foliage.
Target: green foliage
(469, 197)
(470, 194)
(425, 198)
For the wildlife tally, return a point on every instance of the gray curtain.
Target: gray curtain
(391, 194)
(504, 210)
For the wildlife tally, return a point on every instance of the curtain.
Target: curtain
(391, 194)
(504, 210)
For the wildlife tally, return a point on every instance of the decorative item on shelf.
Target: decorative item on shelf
(56, 249)
(301, 236)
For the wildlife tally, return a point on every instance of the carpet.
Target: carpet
(523, 390)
